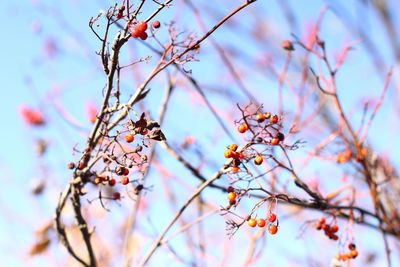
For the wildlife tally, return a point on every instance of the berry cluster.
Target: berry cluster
(272, 228)
(330, 230)
(138, 30)
(120, 11)
(351, 254)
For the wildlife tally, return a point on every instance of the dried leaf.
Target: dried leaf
(39, 247)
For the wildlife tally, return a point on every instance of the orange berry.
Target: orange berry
(241, 156)
(156, 24)
(321, 220)
(334, 228)
(233, 147)
(243, 128)
(275, 141)
(261, 222)
(272, 229)
(335, 237)
(129, 138)
(231, 196)
(272, 217)
(252, 223)
(260, 117)
(258, 160)
(81, 166)
(338, 256)
(354, 253)
(228, 153)
(267, 115)
(124, 180)
(234, 169)
(112, 182)
(287, 45)
(274, 119)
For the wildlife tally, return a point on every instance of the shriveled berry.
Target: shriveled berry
(230, 189)
(280, 136)
(116, 195)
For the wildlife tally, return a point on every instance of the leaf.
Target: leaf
(157, 135)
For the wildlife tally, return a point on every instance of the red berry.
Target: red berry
(274, 119)
(70, 165)
(124, 180)
(275, 141)
(116, 195)
(272, 217)
(335, 237)
(230, 189)
(143, 36)
(142, 26)
(81, 166)
(119, 15)
(126, 171)
(272, 229)
(231, 196)
(156, 24)
(129, 138)
(287, 45)
(112, 182)
(354, 253)
(243, 128)
(252, 223)
(145, 131)
(261, 222)
(334, 228)
(321, 220)
(258, 160)
(352, 246)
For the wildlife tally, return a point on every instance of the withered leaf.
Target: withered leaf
(39, 247)
(152, 124)
(142, 122)
(157, 135)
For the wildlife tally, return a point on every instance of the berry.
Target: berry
(280, 136)
(143, 36)
(119, 15)
(142, 26)
(230, 189)
(321, 220)
(97, 180)
(145, 131)
(156, 24)
(243, 128)
(233, 147)
(228, 153)
(129, 138)
(116, 195)
(334, 228)
(252, 223)
(234, 169)
(272, 217)
(352, 246)
(119, 170)
(124, 180)
(354, 253)
(272, 229)
(267, 115)
(231, 196)
(287, 45)
(274, 119)
(260, 117)
(126, 171)
(275, 141)
(261, 222)
(258, 160)
(112, 182)
(335, 237)
(70, 165)
(81, 166)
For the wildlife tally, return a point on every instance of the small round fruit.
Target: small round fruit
(126, 171)
(156, 24)
(228, 153)
(234, 169)
(129, 138)
(335, 237)
(142, 26)
(274, 119)
(352, 246)
(354, 253)
(272, 229)
(116, 195)
(258, 160)
(287, 45)
(280, 136)
(267, 115)
(112, 182)
(233, 147)
(334, 228)
(272, 217)
(261, 222)
(231, 196)
(321, 220)
(97, 180)
(260, 117)
(230, 189)
(70, 165)
(275, 141)
(124, 180)
(243, 128)
(143, 36)
(81, 166)
(118, 15)
(252, 223)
